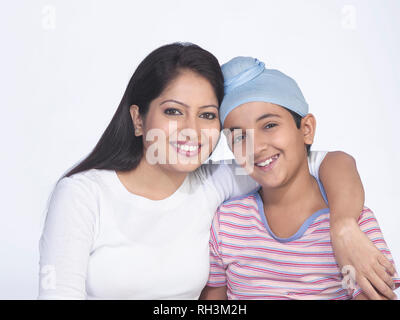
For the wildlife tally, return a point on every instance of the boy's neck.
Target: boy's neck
(289, 205)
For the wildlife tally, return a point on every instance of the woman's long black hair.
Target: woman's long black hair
(118, 148)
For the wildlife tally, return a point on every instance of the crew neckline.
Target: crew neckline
(303, 228)
(167, 203)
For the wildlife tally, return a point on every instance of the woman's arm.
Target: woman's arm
(342, 183)
(66, 241)
(362, 296)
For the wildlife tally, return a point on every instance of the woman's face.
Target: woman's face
(182, 125)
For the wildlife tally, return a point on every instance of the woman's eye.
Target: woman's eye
(270, 125)
(172, 111)
(209, 116)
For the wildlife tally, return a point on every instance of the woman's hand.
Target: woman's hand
(373, 270)
(345, 192)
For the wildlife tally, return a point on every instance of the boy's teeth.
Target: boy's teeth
(267, 162)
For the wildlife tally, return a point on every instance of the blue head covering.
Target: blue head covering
(246, 80)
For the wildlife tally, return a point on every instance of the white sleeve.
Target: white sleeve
(231, 181)
(66, 241)
(314, 162)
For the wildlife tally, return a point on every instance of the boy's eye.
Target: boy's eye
(238, 138)
(208, 115)
(172, 111)
(270, 125)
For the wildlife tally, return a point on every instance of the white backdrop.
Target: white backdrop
(65, 65)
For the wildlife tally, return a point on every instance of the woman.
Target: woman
(132, 220)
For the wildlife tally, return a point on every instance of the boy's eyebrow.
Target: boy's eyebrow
(185, 105)
(266, 115)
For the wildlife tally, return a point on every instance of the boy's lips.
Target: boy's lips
(187, 148)
(267, 163)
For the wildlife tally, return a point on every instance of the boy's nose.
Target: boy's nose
(260, 146)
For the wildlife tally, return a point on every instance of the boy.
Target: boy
(274, 243)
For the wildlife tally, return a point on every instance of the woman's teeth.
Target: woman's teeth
(268, 161)
(184, 147)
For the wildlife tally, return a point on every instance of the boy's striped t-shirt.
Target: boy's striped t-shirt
(253, 263)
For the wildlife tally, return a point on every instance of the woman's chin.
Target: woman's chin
(184, 167)
(189, 163)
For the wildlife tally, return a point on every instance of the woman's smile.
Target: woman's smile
(187, 148)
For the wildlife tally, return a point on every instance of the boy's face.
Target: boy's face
(274, 150)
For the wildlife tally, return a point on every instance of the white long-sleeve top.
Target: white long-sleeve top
(101, 241)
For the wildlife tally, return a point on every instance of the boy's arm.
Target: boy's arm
(339, 176)
(213, 293)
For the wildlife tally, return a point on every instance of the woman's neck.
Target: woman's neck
(151, 181)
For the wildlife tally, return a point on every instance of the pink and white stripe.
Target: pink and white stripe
(253, 264)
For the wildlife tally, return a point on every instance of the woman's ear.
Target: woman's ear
(308, 126)
(136, 119)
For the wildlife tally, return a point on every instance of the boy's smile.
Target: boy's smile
(268, 163)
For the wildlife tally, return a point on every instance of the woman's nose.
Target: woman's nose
(190, 129)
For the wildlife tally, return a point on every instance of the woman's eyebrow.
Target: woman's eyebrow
(185, 105)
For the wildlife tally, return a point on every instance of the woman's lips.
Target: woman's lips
(188, 149)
